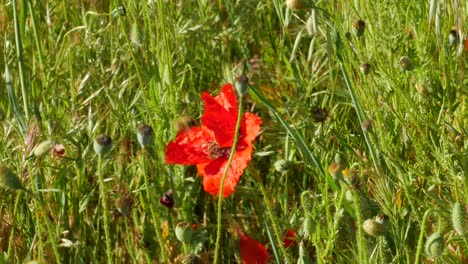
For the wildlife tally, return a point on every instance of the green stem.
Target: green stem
(421, 236)
(106, 211)
(19, 53)
(221, 189)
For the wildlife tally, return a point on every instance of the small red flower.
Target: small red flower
(289, 238)
(209, 146)
(466, 45)
(252, 251)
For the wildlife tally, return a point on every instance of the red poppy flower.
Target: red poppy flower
(289, 238)
(466, 45)
(209, 146)
(252, 251)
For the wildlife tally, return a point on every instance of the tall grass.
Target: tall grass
(76, 69)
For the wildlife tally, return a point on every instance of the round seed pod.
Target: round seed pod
(8, 180)
(102, 144)
(184, 232)
(435, 245)
(459, 219)
(43, 148)
(145, 135)
(376, 227)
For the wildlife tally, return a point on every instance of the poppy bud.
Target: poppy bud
(297, 4)
(145, 135)
(8, 180)
(283, 165)
(453, 37)
(42, 148)
(406, 63)
(242, 84)
(102, 144)
(184, 232)
(376, 227)
(459, 219)
(435, 245)
(359, 26)
(365, 68)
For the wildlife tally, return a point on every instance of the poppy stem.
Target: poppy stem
(221, 189)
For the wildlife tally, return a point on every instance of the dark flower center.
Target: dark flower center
(216, 151)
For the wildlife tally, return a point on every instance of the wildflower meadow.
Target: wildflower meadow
(244, 131)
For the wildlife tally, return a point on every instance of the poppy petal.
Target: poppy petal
(252, 251)
(213, 171)
(220, 115)
(190, 147)
(249, 128)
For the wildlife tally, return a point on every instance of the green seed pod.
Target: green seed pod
(135, 35)
(145, 135)
(184, 232)
(459, 219)
(9, 180)
(283, 165)
(308, 226)
(435, 245)
(43, 148)
(406, 63)
(241, 85)
(359, 26)
(102, 144)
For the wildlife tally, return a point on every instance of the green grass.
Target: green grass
(75, 69)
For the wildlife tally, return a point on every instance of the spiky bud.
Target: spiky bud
(9, 180)
(359, 26)
(308, 226)
(406, 63)
(145, 135)
(377, 226)
(184, 232)
(135, 35)
(43, 148)
(459, 219)
(435, 245)
(102, 144)
(283, 165)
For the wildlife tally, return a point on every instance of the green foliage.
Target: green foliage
(396, 134)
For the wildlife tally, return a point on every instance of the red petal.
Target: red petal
(466, 44)
(213, 171)
(220, 115)
(289, 238)
(249, 128)
(190, 147)
(252, 251)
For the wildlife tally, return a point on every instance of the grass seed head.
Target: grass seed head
(145, 135)
(43, 148)
(435, 245)
(459, 219)
(135, 35)
(8, 180)
(102, 144)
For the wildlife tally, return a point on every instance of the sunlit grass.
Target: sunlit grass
(341, 144)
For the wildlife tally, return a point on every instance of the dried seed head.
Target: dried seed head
(359, 26)
(453, 37)
(184, 232)
(283, 165)
(435, 245)
(9, 180)
(365, 68)
(319, 115)
(459, 219)
(297, 4)
(242, 84)
(43, 148)
(102, 144)
(367, 125)
(406, 63)
(145, 135)
(335, 170)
